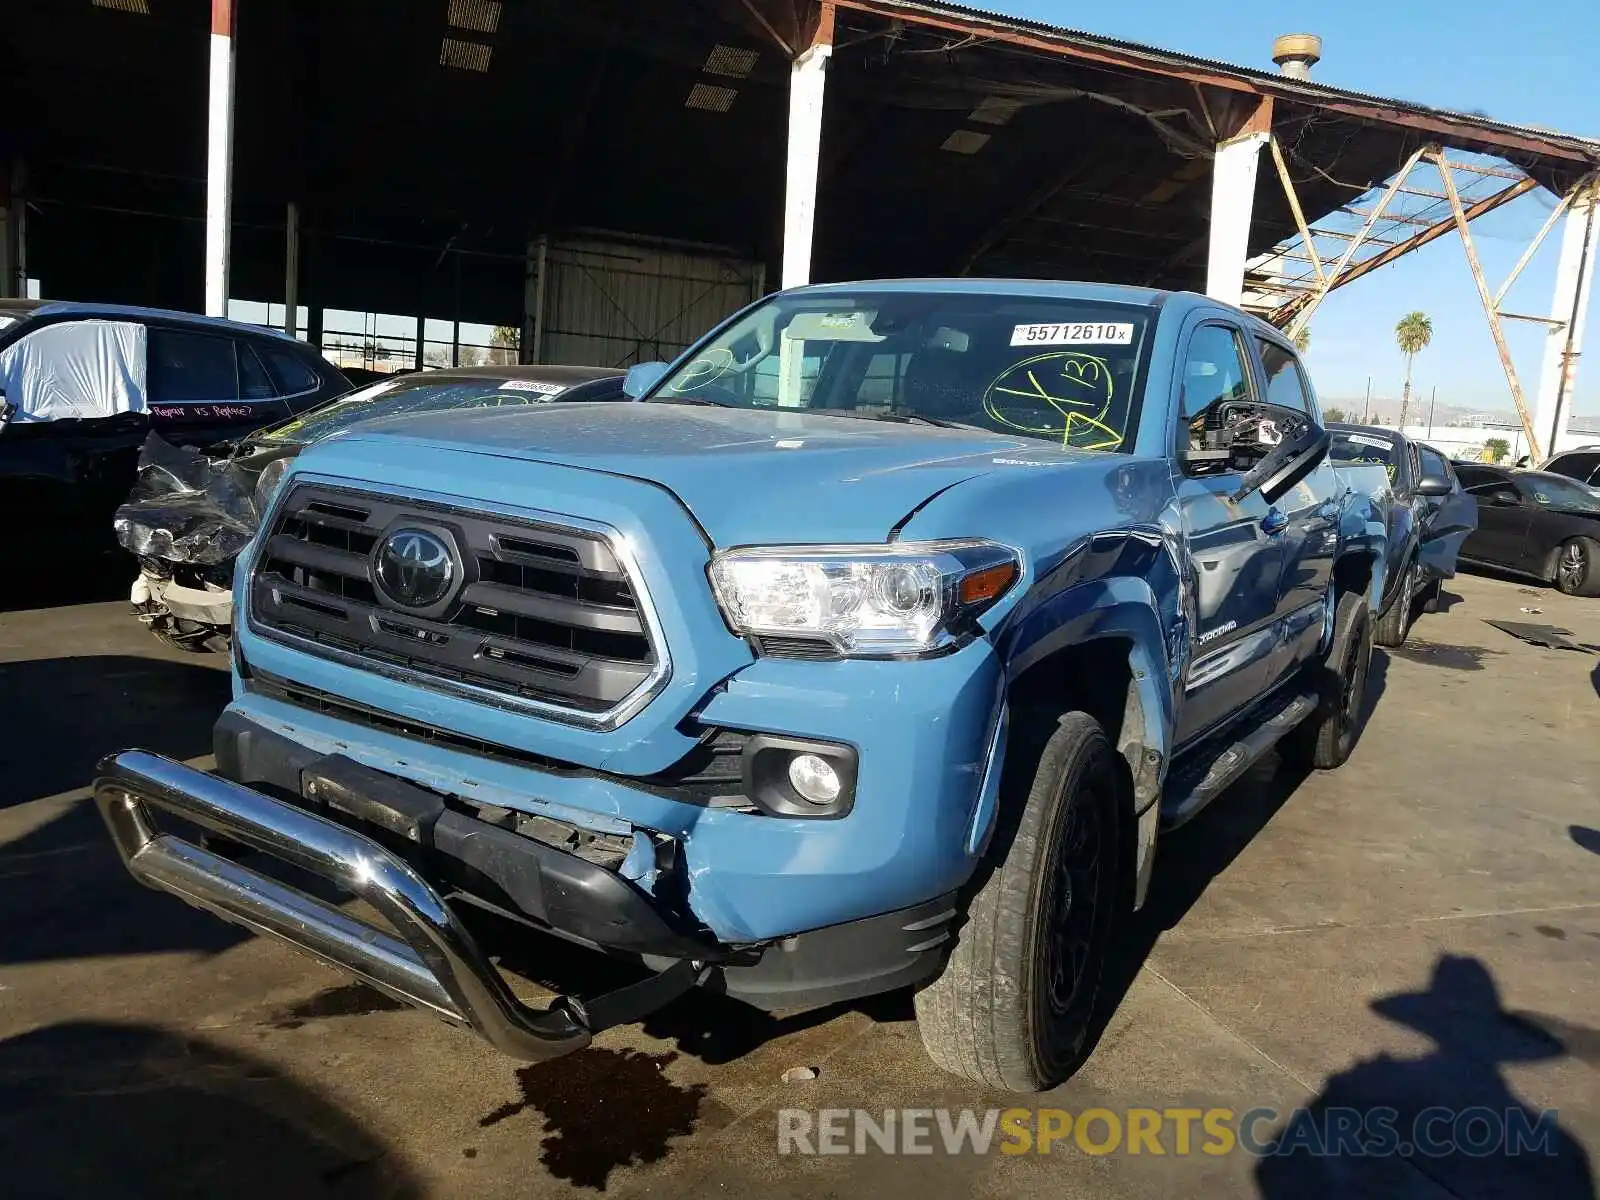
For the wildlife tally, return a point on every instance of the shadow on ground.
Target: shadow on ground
(114, 1110)
(61, 883)
(1189, 858)
(1588, 838)
(1445, 1123)
(93, 579)
(63, 714)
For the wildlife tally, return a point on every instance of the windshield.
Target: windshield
(1557, 491)
(1063, 371)
(1364, 449)
(411, 394)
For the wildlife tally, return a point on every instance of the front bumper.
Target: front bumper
(428, 957)
(434, 964)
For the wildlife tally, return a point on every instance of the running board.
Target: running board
(1200, 778)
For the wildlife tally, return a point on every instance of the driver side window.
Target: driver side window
(1214, 373)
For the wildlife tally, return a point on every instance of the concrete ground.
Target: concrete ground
(1420, 928)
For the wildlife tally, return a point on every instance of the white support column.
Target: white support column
(1233, 197)
(291, 270)
(807, 81)
(1580, 247)
(219, 157)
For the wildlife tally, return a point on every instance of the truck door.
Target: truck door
(1309, 513)
(1447, 520)
(1235, 546)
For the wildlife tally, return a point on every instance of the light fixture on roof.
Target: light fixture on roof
(465, 56)
(708, 97)
(130, 6)
(480, 16)
(965, 141)
(994, 110)
(732, 61)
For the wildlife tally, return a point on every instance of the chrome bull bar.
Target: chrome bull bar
(434, 963)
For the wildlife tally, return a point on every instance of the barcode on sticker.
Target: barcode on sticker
(1074, 333)
(1362, 439)
(532, 385)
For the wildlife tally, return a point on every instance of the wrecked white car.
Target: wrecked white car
(190, 513)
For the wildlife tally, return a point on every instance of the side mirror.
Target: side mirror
(1298, 453)
(1502, 497)
(1433, 485)
(641, 378)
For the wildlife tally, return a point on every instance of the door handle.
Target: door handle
(1274, 522)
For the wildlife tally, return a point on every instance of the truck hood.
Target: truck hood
(747, 475)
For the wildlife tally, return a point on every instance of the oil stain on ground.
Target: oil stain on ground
(604, 1109)
(1459, 658)
(350, 1000)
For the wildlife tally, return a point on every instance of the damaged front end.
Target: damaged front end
(187, 518)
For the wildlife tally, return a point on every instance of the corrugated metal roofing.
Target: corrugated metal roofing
(1310, 90)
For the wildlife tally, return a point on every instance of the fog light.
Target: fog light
(814, 778)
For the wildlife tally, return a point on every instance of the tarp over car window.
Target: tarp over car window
(83, 369)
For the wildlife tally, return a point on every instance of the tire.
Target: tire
(1013, 1006)
(1325, 739)
(1577, 570)
(1394, 624)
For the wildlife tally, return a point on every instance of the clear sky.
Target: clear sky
(1529, 63)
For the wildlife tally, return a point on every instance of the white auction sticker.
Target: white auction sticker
(1362, 439)
(532, 385)
(1074, 333)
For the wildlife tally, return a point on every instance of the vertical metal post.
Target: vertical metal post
(8, 234)
(1568, 311)
(1432, 400)
(807, 85)
(422, 340)
(219, 156)
(541, 269)
(1366, 405)
(291, 270)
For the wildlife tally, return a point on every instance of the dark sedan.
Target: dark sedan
(81, 385)
(1535, 523)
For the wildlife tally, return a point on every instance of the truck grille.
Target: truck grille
(541, 613)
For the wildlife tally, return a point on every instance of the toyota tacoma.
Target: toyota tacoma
(875, 646)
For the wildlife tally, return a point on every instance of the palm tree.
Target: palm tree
(1302, 338)
(1412, 334)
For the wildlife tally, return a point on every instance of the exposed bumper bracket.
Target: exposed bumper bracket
(434, 963)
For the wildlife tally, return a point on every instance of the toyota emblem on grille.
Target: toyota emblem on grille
(415, 568)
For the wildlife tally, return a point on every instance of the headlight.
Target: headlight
(268, 483)
(907, 599)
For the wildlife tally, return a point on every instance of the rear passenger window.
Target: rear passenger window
(1434, 463)
(289, 371)
(191, 366)
(1286, 387)
(253, 381)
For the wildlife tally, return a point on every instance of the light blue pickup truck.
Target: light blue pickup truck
(874, 647)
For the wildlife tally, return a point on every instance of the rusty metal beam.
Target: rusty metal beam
(1416, 242)
(1495, 329)
(992, 30)
(1301, 309)
(1294, 207)
(1533, 247)
(760, 18)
